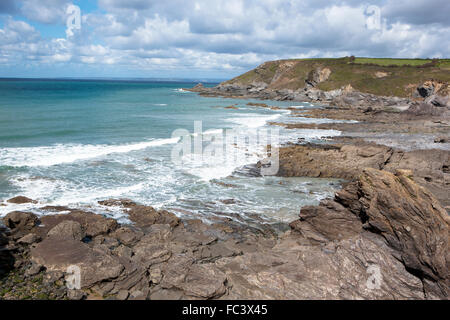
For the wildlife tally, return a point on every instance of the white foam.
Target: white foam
(181, 90)
(68, 153)
(253, 120)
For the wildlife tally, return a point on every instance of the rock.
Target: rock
(76, 295)
(29, 239)
(59, 255)
(34, 269)
(428, 88)
(127, 236)
(123, 295)
(20, 222)
(117, 202)
(331, 161)
(438, 101)
(228, 201)
(441, 140)
(101, 227)
(203, 281)
(145, 216)
(137, 295)
(21, 200)
(407, 216)
(67, 230)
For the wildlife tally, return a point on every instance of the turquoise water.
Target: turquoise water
(73, 143)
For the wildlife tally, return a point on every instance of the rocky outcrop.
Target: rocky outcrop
(381, 237)
(408, 218)
(332, 161)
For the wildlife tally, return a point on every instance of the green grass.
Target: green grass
(389, 62)
(401, 75)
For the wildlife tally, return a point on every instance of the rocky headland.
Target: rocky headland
(384, 235)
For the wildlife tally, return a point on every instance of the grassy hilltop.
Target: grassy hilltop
(380, 76)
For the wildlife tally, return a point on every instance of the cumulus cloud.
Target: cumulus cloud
(225, 35)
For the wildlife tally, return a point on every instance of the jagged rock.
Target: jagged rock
(67, 230)
(21, 200)
(20, 222)
(405, 215)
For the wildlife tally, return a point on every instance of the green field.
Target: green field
(389, 62)
(396, 77)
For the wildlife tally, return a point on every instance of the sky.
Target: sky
(208, 39)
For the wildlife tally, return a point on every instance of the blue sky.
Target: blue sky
(209, 38)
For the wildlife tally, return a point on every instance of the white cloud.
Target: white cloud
(225, 35)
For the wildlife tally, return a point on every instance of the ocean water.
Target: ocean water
(73, 143)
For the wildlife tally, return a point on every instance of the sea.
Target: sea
(76, 142)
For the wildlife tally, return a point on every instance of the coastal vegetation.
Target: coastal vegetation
(386, 77)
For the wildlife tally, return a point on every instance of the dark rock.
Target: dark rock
(21, 200)
(441, 140)
(20, 222)
(117, 202)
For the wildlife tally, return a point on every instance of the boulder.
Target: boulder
(20, 222)
(67, 230)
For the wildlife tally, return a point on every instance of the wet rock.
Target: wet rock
(21, 200)
(117, 202)
(228, 201)
(67, 230)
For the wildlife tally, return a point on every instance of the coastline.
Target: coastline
(325, 255)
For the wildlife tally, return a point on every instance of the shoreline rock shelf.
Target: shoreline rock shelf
(381, 221)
